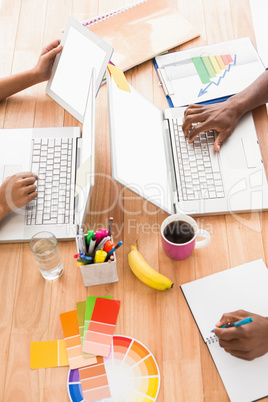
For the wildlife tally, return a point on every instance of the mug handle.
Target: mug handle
(205, 242)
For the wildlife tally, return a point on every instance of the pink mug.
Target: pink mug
(184, 248)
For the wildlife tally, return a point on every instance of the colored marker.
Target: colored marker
(98, 236)
(100, 256)
(236, 324)
(113, 250)
(92, 244)
(104, 233)
(90, 234)
(108, 246)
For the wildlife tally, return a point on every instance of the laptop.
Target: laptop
(62, 157)
(151, 157)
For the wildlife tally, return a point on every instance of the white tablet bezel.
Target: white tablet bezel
(71, 22)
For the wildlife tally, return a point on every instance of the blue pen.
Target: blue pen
(236, 324)
(112, 250)
(85, 257)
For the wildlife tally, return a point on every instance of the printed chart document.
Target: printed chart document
(209, 73)
(243, 287)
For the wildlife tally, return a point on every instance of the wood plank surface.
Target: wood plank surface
(30, 306)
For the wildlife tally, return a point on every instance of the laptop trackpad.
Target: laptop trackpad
(234, 155)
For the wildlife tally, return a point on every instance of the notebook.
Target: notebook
(62, 157)
(209, 73)
(138, 32)
(243, 287)
(152, 158)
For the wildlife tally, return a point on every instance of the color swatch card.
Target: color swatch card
(81, 310)
(132, 372)
(90, 304)
(70, 327)
(94, 381)
(48, 354)
(101, 327)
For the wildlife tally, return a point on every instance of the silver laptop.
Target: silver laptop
(151, 157)
(63, 158)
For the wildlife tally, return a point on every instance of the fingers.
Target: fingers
(27, 175)
(52, 53)
(51, 46)
(32, 196)
(232, 317)
(226, 334)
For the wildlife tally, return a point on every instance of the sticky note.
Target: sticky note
(90, 303)
(70, 328)
(101, 327)
(48, 354)
(119, 77)
(94, 381)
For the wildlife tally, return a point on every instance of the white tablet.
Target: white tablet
(71, 72)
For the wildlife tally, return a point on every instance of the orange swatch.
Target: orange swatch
(70, 327)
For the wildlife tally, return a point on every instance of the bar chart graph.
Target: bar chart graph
(208, 67)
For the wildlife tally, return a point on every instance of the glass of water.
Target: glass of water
(45, 249)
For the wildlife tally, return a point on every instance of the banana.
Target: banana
(146, 273)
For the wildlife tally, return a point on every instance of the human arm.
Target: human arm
(40, 72)
(224, 116)
(246, 341)
(17, 191)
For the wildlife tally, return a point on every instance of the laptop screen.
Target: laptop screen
(138, 145)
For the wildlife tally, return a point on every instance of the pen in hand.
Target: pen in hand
(236, 324)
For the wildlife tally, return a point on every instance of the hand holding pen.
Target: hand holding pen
(243, 339)
(236, 323)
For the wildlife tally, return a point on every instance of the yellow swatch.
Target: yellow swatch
(119, 77)
(48, 354)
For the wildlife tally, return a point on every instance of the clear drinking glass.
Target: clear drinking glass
(45, 249)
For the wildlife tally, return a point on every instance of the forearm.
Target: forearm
(253, 96)
(16, 83)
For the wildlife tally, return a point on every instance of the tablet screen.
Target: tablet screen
(82, 51)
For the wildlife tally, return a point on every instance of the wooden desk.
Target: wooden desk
(30, 306)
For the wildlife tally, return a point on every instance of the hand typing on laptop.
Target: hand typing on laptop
(223, 117)
(17, 191)
(246, 341)
(41, 72)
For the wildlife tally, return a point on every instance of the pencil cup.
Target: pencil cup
(99, 273)
(178, 236)
(46, 253)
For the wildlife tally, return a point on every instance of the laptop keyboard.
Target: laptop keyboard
(198, 165)
(52, 162)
